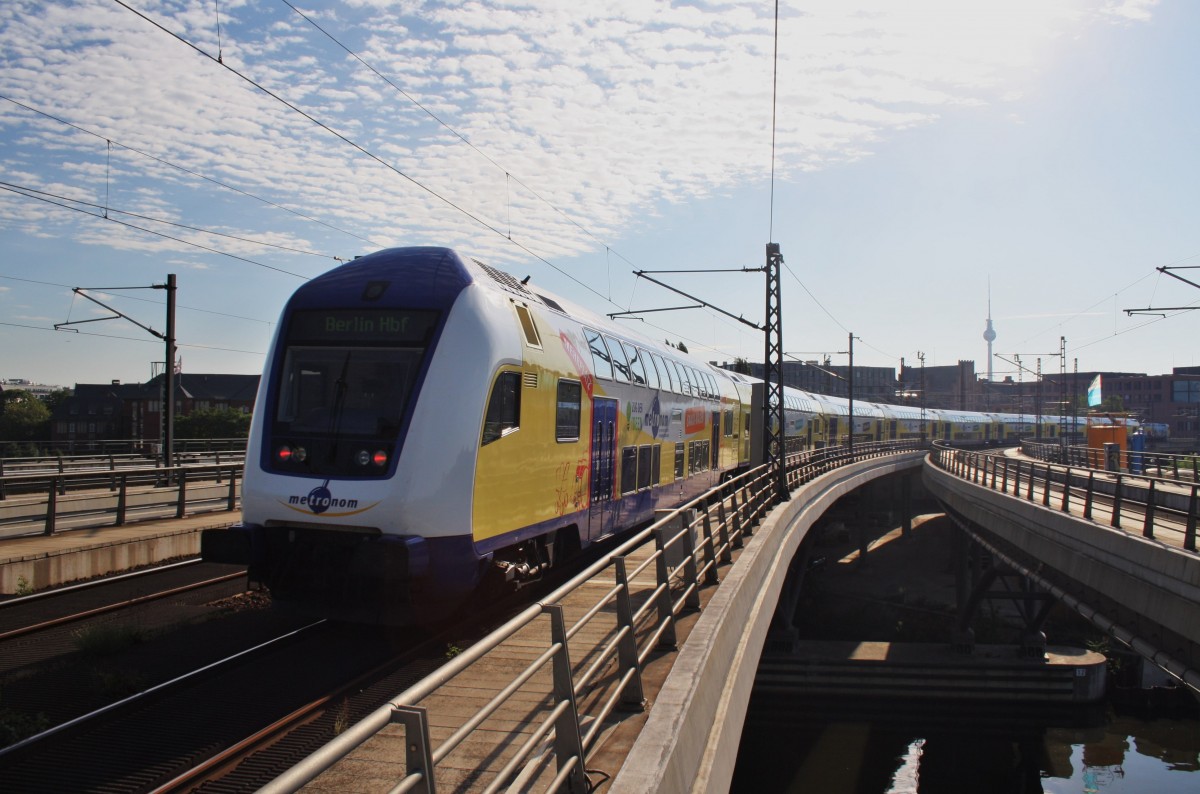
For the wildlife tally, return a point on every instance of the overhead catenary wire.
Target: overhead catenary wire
(142, 300)
(186, 170)
(152, 231)
(358, 147)
(34, 193)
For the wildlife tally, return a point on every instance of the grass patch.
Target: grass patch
(108, 639)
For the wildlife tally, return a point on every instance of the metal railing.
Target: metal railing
(19, 450)
(1162, 504)
(689, 543)
(1160, 464)
(33, 475)
(113, 496)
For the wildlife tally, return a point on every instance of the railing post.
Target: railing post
(122, 500)
(112, 467)
(723, 533)
(1189, 534)
(181, 507)
(735, 518)
(1116, 513)
(1066, 500)
(1091, 491)
(231, 500)
(752, 503)
(1017, 481)
(3, 494)
(691, 578)
(710, 551)
(1046, 488)
(1032, 477)
(51, 507)
(632, 697)
(568, 743)
(418, 756)
(1148, 524)
(666, 615)
(1004, 482)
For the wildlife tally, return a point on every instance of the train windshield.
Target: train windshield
(351, 372)
(346, 391)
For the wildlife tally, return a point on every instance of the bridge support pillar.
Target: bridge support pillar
(976, 571)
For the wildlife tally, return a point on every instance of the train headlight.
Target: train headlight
(362, 458)
(299, 454)
(380, 458)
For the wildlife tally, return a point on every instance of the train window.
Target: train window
(728, 423)
(629, 461)
(570, 401)
(713, 391)
(620, 365)
(685, 386)
(698, 387)
(531, 334)
(656, 463)
(504, 408)
(705, 391)
(644, 471)
(665, 376)
(601, 361)
(679, 461)
(637, 374)
(651, 371)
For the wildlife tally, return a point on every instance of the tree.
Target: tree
(682, 347)
(23, 417)
(213, 423)
(56, 398)
(741, 366)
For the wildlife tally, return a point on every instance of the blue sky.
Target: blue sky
(923, 149)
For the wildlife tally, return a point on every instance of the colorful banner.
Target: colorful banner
(1094, 397)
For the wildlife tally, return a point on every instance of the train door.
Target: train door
(604, 465)
(715, 452)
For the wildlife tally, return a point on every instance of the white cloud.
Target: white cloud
(603, 109)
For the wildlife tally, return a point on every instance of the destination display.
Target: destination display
(370, 326)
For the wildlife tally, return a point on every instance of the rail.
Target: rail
(11, 450)
(121, 492)
(689, 544)
(1162, 504)
(1169, 466)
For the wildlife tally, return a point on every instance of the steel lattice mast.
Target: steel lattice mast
(773, 445)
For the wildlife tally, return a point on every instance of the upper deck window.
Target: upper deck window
(620, 365)
(527, 325)
(601, 361)
(637, 374)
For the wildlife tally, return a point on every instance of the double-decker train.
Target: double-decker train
(426, 421)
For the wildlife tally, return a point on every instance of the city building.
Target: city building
(117, 411)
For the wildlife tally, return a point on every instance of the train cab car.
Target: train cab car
(425, 421)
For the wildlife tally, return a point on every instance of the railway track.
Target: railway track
(231, 723)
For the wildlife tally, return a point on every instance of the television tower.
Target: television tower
(989, 333)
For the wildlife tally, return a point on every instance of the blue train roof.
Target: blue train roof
(425, 277)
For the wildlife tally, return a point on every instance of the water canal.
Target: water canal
(904, 592)
(809, 746)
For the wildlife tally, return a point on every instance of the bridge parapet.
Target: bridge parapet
(1065, 528)
(690, 740)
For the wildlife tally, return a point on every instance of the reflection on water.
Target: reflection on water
(809, 746)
